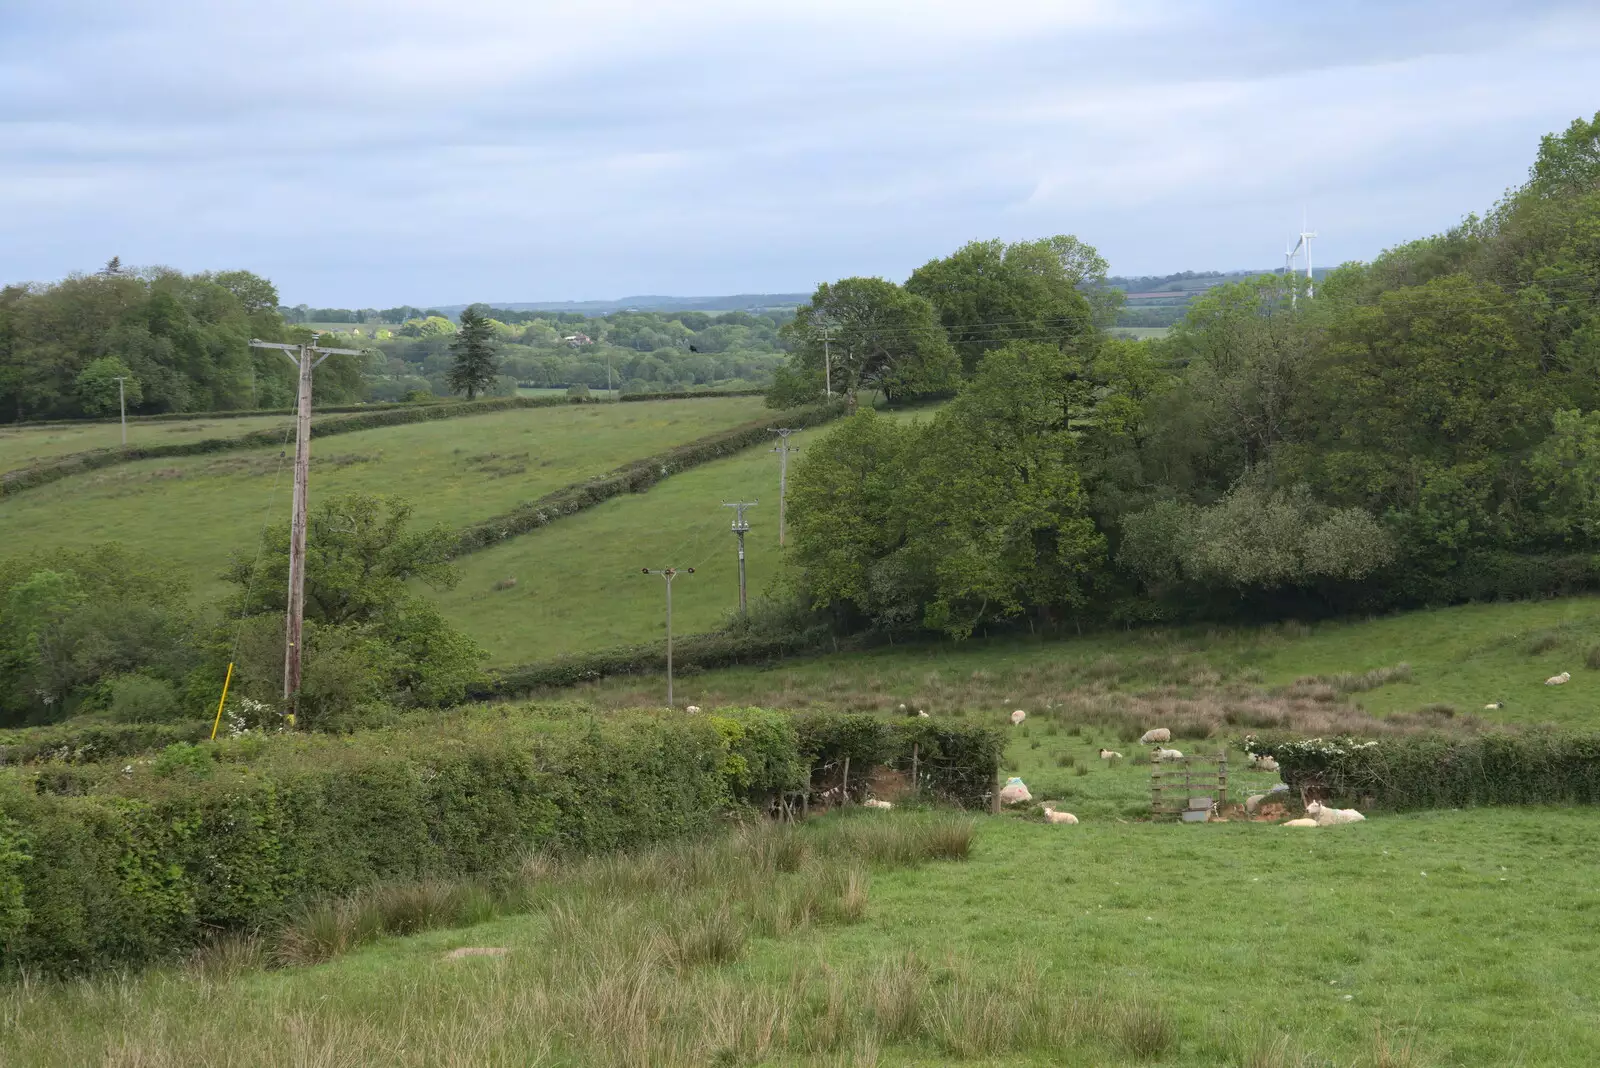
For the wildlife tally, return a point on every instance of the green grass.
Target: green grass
(25, 446)
(1460, 659)
(1456, 938)
(193, 512)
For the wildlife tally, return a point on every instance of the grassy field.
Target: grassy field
(1458, 660)
(24, 446)
(1140, 333)
(194, 512)
(579, 584)
(1455, 938)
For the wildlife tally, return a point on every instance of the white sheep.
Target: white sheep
(1559, 680)
(1253, 802)
(692, 709)
(1052, 816)
(1263, 763)
(1492, 705)
(1018, 716)
(1161, 756)
(1109, 754)
(873, 802)
(1328, 817)
(1160, 734)
(1013, 791)
(921, 714)
(1300, 823)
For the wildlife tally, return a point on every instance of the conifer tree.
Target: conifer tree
(473, 348)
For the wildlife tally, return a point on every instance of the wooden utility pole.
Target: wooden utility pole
(122, 406)
(783, 449)
(294, 617)
(668, 573)
(741, 527)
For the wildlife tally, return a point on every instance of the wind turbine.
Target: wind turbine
(1293, 253)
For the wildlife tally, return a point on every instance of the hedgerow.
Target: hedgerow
(86, 742)
(1416, 772)
(636, 476)
(114, 863)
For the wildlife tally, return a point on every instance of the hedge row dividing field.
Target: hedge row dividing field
(104, 864)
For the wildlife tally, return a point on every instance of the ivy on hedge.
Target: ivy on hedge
(1496, 768)
(112, 863)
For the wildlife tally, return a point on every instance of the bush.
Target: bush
(1432, 772)
(90, 740)
(141, 699)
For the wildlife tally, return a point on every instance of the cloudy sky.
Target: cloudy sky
(374, 152)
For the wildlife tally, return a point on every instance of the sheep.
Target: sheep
(1160, 734)
(1163, 755)
(1018, 716)
(1253, 802)
(1301, 823)
(1052, 816)
(921, 714)
(1328, 817)
(1492, 705)
(692, 709)
(1263, 763)
(506, 583)
(1110, 754)
(1559, 680)
(873, 802)
(1013, 791)
(902, 708)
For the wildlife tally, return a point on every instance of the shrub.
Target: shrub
(1434, 772)
(141, 699)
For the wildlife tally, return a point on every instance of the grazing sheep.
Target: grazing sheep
(1493, 705)
(1161, 755)
(1108, 754)
(1018, 716)
(1301, 823)
(1263, 763)
(692, 709)
(1160, 734)
(1559, 680)
(1253, 802)
(1052, 816)
(873, 802)
(1328, 817)
(1013, 791)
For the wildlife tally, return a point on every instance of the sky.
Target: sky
(369, 153)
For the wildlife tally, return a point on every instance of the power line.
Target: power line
(741, 527)
(668, 573)
(783, 449)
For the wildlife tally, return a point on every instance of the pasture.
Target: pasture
(194, 512)
(1450, 938)
(27, 445)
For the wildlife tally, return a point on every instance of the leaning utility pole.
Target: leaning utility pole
(295, 614)
(783, 449)
(668, 573)
(741, 527)
(122, 405)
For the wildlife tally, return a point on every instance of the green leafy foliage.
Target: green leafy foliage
(871, 334)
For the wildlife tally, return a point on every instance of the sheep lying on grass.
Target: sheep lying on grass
(692, 709)
(1109, 754)
(1159, 734)
(1328, 817)
(873, 802)
(1559, 680)
(1300, 823)
(1161, 756)
(1052, 816)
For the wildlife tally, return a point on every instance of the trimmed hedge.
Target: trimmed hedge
(692, 394)
(104, 865)
(636, 476)
(957, 763)
(1497, 768)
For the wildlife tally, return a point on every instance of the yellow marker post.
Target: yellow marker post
(218, 721)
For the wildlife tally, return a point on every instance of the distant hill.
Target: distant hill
(736, 302)
(1160, 300)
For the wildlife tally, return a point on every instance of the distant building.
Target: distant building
(578, 339)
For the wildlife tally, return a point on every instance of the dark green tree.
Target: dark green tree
(473, 350)
(874, 335)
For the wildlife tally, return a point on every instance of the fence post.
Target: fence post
(916, 781)
(994, 793)
(844, 800)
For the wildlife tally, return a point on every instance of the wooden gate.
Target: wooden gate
(1189, 788)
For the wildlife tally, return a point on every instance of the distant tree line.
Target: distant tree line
(1425, 429)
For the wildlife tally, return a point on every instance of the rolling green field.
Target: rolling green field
(24, 446)
(1451, 938)
(579, 584)
(194, 512)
